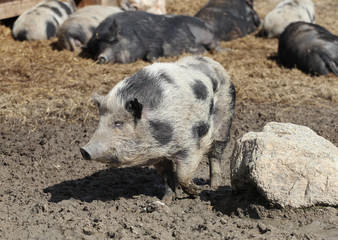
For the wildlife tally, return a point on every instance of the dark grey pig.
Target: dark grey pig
(42, 21)
(76, 31)
(167, 114)
(230, 19)
(309, 47)
(128, 36)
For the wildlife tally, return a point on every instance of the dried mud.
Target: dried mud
(48, 192)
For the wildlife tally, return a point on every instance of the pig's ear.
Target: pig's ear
(114, 28)
(97, 99)
(135, 108)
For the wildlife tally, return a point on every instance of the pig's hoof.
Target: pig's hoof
(191, 189)
(215, 181)
(169, 197)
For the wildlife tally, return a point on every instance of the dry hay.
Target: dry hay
(38, 82)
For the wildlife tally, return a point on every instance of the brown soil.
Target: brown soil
(48, 192)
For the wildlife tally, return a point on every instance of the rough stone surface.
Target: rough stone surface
(290, 165)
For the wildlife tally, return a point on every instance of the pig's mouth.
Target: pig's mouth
(87, 155)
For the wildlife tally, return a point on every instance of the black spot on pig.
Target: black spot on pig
(182, 154)
(232, 93)
(65, 7)
(161, 131)
(54, 9)
(50, 29)
(143, 86)
(211, 107)
(134, 107)
(200, 90)
(56, 21)
(206, 71)
(166, 77)
(22, 35)
(200, 130)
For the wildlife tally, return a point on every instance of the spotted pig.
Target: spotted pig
(42, 21)
(166, 115)
(286, 12)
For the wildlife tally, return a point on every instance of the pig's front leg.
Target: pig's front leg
(215, 160)
(165, 169)
(185, 172)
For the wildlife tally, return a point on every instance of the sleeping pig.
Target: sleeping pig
(128, 36)
(42, 21)
(229, 19)
(76, 31)
(167, 114)
(309, 47)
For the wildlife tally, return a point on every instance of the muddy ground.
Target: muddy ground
(48, 192)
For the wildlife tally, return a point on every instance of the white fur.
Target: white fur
(286, 12)
(151, 6)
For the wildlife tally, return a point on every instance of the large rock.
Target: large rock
(290, 165)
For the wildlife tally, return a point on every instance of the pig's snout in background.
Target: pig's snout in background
(85, 154)
(102, 59)
(106, 56)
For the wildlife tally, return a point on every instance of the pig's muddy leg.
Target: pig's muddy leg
(185, 173)
(215, 163)
(165, 169)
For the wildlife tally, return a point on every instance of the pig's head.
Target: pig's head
(122, 137)
(102, 43)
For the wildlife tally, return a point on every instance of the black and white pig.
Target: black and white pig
(286, 12)
(230, 19)
(309, 47)
(42, 21)
(166, 115)
(128, 36)
(76, 31)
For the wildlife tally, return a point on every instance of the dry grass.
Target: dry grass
(41, 83)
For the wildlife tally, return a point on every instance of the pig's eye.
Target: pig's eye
(118, 124)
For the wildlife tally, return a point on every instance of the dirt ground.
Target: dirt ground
(48, 192)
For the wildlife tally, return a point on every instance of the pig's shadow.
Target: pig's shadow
(241, 203)
(109, 184)
(83, 53)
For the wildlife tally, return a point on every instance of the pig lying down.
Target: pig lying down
(42, 21)
(230, 19)
(167, 115)
(286, 12)
(309, 47)
(76, 31)
(128, 36)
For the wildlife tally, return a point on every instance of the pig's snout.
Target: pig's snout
(85, 154)
(101, 59)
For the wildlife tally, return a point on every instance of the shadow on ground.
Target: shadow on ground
(109, 184)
